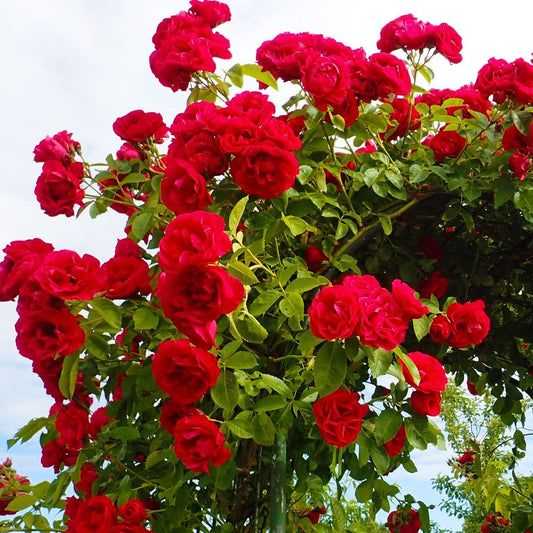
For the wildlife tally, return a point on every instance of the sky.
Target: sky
(78, 65)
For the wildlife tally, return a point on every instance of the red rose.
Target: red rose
(238, 133)
(133, 511)
(513, 139)
(523, 84)
(382, 323)
(212, 12)
(198, 117)
(66, 275)
(405, 115)
(172, 411)
(401, 521)
(253, 106)
(395, 445)
(58, 188)
(22, 259)
(33, 297)
(432, 373)
(440, 329)
(496, 78)
(334, 313)
(327, 79)
(361, 286)
(448, 42)
(315, 258)
(203, 152)
(183, 189)
(184, 372)
(96, 514)
(199, 442)
(60, 147)
(264, 170)
(385, 74)
(125, 277)
(520, 164)
(88, 475)
(198, 294)
(466, 458)
(469, 322)
(435, 284)
(447, 144)
(410, 305)
(426, 403)
(138, 126)
(44, 334)
(339, 417)
(49, 370)
(405, 32)
(99, 419)
(72, 423)
(56, 454)
(128, 152)
(193, 238)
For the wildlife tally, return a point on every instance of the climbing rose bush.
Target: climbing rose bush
(294, 288)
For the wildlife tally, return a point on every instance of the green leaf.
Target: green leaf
(235, 75)
(145, 318)
(380, 459)
(338, 121)
(417, 174)
(141, 225)
(305, 175)
(270, 403)
(97, 346)
(241, 360)
(413, 370)
(386, 223)
(379, 362)
(522, 121)
(242, 272)
(69, 375)
(264, 302)
(241, 426)
(277, 384)
(21, 502)
(414, 434)
(134, 177)
(263, 429)
(504, 189)
(256, 72)
(363, 492)
(123, 433)
(297, 225)
(250, 329)
(339, 515)
(107, 310)
(26, 432)
(305, 284)
(329, 369)
(236, 214)
(387, 425)
(225, 393)
(421, 326)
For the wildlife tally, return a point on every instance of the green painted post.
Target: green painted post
(277, 487)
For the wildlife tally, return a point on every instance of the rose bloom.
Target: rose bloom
(385, 74)
(448, 42)
(432, 373)
(410, 305)
(447, 144)
(88, 475)
(315, 258)
(199, 442)
(467, 457)
(22, 259)
(496, 78)
(66, 275)
(339, 416)
(426, 403)
(440, 329)
(133, 511)
(60, 147)
(125, 277)
(405, 115)
(33, 297)
(253, 106)
(172, 411)
(72, 423)
(399, 522)
(361, 286)
(333, 313)
(56, 454)
(183, 189)
(212, 12)
(470, 323)
(435, 284)
(405, 32)
(198, 294)
(99, 420)
(138, 126)
(44, 334)
(193, 238)
(523, 84)
(394, 446)
(96, 514)
(198, 117)
(58, 188)
(184, 372)
(513, 139)
(264, 170)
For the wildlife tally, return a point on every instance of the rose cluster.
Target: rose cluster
(99, 513)
(332, 73)
(186, 43)
(58, 188)
(243, 136)
(361, 306)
